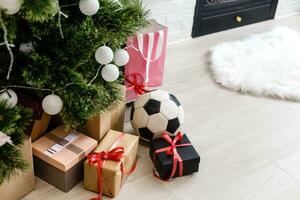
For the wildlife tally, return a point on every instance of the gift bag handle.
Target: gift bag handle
(140, 41)
(159, 49)
(150, 50)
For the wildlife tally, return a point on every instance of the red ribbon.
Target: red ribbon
(172, 150)
(136, 83)
(115, 154)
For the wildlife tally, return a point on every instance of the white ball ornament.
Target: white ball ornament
(10, 6)
(52, 104)
(110, 72)
(89, 7)
(104, 55)
(10, 97)
(26, 48)
(121, 57)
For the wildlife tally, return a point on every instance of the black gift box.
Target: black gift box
(164, 163)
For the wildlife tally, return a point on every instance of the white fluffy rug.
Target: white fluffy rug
(265, 64)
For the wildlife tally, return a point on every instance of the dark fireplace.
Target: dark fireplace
(217, 15)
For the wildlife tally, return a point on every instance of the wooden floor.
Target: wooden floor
(249, 146)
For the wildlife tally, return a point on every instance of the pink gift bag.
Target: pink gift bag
(147, 51)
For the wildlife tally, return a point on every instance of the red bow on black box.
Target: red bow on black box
(173, 156)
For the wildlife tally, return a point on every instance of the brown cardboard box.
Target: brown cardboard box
(59, 157)
(23, 182)
(41, 119)
(40, 126)
(103, 122)
(112, 175)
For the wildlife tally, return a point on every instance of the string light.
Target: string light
(98, 70)
(8, 46)
(69, 5)
(60, 13)
(24, 87)
(44, 89)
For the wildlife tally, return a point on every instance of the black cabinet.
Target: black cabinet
(217, 15)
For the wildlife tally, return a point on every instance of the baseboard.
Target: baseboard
(180, 40)
(287, 15)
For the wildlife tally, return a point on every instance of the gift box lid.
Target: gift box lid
(63, 148)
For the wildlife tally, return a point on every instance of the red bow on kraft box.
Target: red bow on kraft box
(115, 154)
(172, 151)
(99, 158)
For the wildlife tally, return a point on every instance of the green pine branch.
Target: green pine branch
(56, 62)
(39, 10)
(13, 122)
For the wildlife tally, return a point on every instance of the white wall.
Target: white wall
(178, 15)
(288, 7)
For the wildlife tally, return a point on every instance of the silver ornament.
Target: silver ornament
(121, 57)
(104, 55)
(10, 97)
(27, 47)
(110, 72)
(11, 7)
(52, 104)
(89, 7)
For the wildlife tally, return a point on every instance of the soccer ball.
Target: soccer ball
(156, 112)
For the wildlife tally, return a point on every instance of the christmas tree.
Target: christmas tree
(65, 54)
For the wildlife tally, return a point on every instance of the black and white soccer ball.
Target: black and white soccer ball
(156, 112)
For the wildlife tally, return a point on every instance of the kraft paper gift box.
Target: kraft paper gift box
(39, 126)
(164, 162)
(41, 120)
(112, 119)
(59, 156)
(112, 176)
(22, 182)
